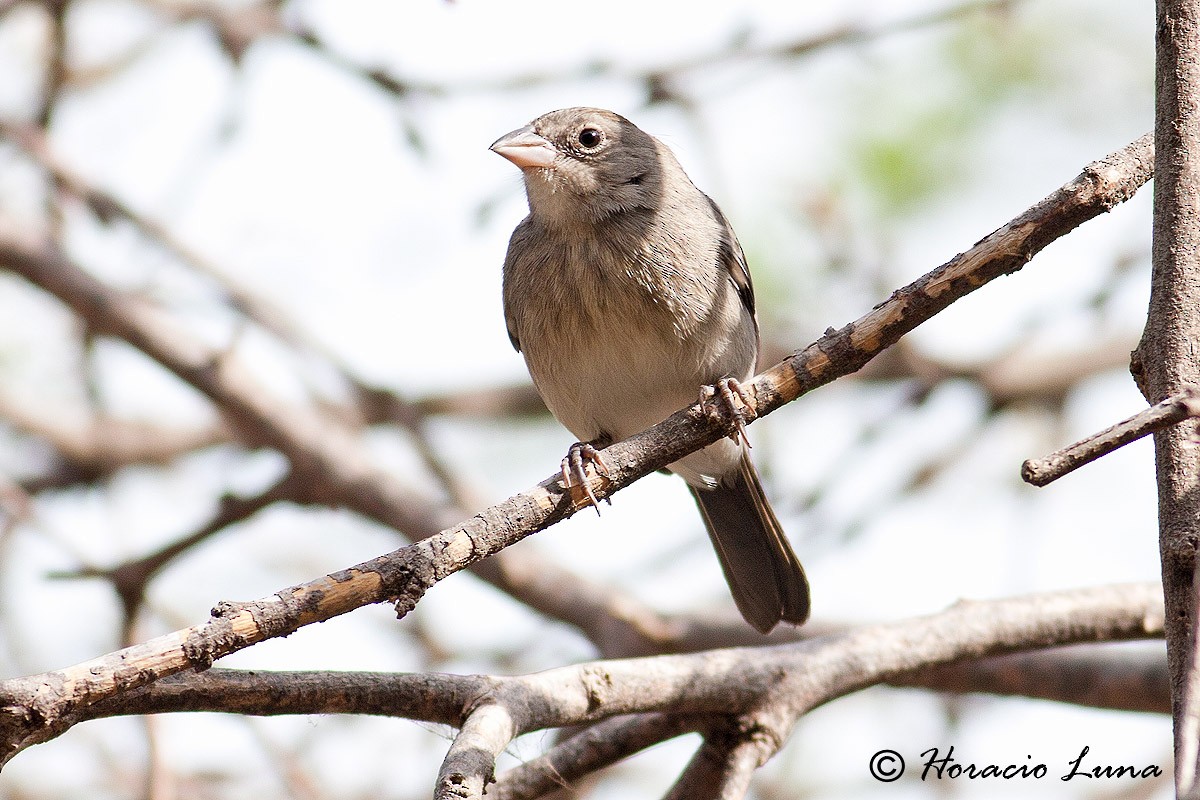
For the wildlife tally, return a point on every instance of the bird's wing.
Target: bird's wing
(733, 259)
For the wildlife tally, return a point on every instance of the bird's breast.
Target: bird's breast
(614, 346)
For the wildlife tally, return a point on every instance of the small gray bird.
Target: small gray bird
(627, 292)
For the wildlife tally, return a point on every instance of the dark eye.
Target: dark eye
(590, 137)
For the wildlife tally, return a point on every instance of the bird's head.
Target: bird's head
(584, 165)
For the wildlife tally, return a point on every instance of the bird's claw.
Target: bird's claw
(728, 403)
(574, 473)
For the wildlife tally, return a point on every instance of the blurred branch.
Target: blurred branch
(658, 79)
(16, 505)
(1020, 376)
(55, 74)
(131, 578)
(495, 402)
(1182, 405)
(93, 449)
(332, 466)
(238, 28)
(373, 405)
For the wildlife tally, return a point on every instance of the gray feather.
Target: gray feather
(626, 291)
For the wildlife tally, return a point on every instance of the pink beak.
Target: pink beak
(526, 148)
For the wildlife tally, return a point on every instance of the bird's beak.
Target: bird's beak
(525, 148)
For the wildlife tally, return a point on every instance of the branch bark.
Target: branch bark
(1089, 675)
(1172, 411)
(1165, 360)
(758, 692)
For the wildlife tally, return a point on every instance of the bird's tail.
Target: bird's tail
(764, 575)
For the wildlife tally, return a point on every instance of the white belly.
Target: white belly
(619, 379)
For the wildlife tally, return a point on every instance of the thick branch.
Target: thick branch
(722, 767)
(598, 746)
(777, 685)
(770, 687)
(1089, 675)
(1084, 675)
(1166, 361)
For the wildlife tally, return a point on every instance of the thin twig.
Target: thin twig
(658, 79)
(55, 75)
(1172, 411)
(130, 579)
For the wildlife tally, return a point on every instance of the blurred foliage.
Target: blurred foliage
(926, 115)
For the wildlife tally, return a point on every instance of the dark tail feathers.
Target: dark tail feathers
(763, 573)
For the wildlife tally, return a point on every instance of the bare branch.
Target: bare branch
(1172, 411)
(597, 746)
(1165, 360)
(131, 578)
(1090, 675)
(94, 448)
(433, 697)
(470, 763)
(660, 78)
(1085, 675)
(774, 686)
(345, 476)
(723, 766)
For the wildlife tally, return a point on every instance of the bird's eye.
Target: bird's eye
(590, 137)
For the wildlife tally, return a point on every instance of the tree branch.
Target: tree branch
(1085, 675)
(130, 579)
(765, 690)
(341, 474)
(1165, 360)
(659, 78)
(594, 748)
(1175, 409)
(722, 767)
(1082, 675)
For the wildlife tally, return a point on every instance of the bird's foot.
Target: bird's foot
(574, 472)
(728, 403)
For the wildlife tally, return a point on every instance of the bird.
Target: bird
(628, 295)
